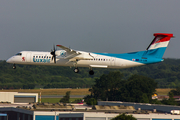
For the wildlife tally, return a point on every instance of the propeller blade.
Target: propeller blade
(53, 53)
(55, 59)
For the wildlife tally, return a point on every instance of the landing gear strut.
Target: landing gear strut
(14, 66)
(76, 70)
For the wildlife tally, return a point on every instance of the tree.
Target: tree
(170, 101)
(113, 87)
(124, 117)
(139, 89)
(106, 87)
(166, 74)
(66, 98)
(91, 101)
(176, 91)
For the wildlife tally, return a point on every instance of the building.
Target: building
(15, 97)
(70, 112)
(142, 106)
(3, 116)
(24, 114)
(12, 109)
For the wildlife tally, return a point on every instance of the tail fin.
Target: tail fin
(158, 45)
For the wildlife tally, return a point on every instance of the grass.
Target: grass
(159, 91)
(84, 91)
(54, 100)
(163, 91)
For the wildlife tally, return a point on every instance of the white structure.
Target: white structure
(176, 112)
(15, 97)
(56, 115)
(24, 114)
(143, 106)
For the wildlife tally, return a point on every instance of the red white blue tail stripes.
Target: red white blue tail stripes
(160, 40)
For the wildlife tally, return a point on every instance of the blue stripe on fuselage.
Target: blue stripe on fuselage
(145, 57)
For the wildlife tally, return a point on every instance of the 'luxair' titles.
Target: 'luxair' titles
(45, 60)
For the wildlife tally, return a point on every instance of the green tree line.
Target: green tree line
(137, 88)
(112, 87)
(166, 74)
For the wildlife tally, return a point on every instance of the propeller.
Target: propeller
(53, 53)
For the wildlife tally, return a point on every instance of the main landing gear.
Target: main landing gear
(14, 66)
(91, 72)
(76, 70)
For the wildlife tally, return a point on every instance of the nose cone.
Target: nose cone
(9, 60)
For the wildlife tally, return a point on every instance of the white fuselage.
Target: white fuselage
(73, 58)
(45, 58)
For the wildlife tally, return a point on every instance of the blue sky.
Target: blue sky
(116, 26)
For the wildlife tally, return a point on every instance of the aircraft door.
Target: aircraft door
(113, 61)
(28, 57)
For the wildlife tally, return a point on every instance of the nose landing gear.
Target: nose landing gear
(14, 66)
(76, 70)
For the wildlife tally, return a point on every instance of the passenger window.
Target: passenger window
(44, 56)
(33, 56)
(50, 57)
(47, 56)
(39, 56)
(36, 56)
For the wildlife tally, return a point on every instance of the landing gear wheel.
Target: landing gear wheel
(14, 66)
(91, 72)
(76, 70)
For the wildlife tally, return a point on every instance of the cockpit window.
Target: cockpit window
(19, 54)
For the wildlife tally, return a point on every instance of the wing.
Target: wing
(67, 49)
(74, 55)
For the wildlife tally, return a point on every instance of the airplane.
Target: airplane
(74, 58)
